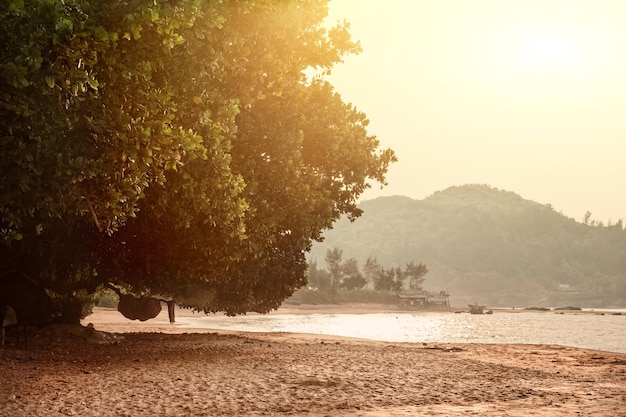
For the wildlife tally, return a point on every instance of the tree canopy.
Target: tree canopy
(175, 148)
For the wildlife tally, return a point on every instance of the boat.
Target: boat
(477, 308)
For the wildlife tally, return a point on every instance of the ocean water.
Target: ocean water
(605, 332)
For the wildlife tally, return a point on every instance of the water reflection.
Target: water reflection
(593, 331)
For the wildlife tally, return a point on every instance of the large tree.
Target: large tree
(175, 148)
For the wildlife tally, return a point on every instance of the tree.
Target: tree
(385, 280)
(394, 279)
(353, 279)
(398, 282)
(175, 149)
(416, 275)
(318, 278)
(371, 270)
(335, 268)
(343, 274)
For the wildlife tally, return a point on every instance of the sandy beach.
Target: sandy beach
(119, 367)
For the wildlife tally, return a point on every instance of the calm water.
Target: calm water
(593, 331)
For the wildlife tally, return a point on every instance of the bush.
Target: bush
(108, 299)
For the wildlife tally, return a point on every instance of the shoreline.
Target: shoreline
(108, 319)
(156, 368)
(387, 325)
(362, 308)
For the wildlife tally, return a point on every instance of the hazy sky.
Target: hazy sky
(527, 96)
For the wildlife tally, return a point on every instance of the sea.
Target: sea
(598, 330)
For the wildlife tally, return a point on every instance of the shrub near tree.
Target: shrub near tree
(175, 149)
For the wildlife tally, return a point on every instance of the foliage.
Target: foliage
(175, 148)
(335, 268)
(318, 278)
(492, 246)
(415, 274)
(362, 296)
(346, 275)
(397, 279)
(353, 279)
(108, 299)
(386, 281)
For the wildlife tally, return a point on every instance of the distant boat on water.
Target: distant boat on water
(478, 309)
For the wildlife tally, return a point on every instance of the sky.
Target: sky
(527, 96)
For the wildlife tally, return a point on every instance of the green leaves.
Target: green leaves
(101, 34)
(14, 75)
(178, 142)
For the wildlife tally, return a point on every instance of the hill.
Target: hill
(491, 246)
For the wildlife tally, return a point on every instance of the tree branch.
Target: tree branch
(93, 213)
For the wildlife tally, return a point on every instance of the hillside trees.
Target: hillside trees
(491, 245)
(175, 148)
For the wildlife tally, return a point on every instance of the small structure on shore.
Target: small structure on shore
(424, 299)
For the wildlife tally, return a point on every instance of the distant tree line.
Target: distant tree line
(347, 276)
(587, 220)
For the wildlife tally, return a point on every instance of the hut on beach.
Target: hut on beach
(424, 299)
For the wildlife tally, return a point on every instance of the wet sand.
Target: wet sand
(127, 368)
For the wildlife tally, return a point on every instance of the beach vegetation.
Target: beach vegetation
(186, 150)
(346, 281)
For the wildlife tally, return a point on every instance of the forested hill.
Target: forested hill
(491, 246)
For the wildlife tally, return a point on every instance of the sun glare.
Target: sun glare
(548, 49)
